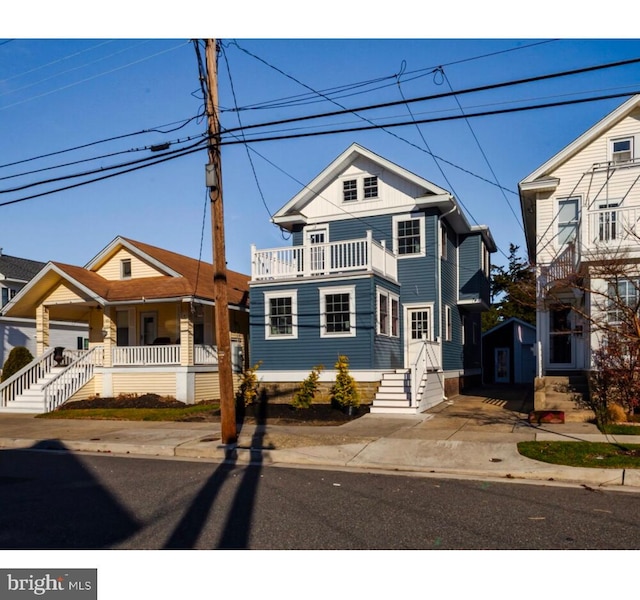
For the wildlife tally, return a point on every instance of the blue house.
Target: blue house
(383, 268)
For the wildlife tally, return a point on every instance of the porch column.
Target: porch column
(186, 335)
(42, 329)
(109, 327)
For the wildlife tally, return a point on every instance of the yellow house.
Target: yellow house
(151, 328)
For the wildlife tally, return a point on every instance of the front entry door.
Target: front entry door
(561, 350)
(418, 328)
(502, 374)
(148, 328)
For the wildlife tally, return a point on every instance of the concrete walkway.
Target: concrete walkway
(467, 436)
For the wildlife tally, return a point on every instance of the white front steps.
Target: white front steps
(32, 399)
(394, 394)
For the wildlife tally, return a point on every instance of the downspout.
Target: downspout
(439, 279)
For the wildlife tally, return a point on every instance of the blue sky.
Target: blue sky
(61, 93)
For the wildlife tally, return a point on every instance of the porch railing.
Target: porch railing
(330, 258)
(68, 382)
(146, 355)
(205, 354)
(22, 380)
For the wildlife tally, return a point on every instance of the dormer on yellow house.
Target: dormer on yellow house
(151, 328)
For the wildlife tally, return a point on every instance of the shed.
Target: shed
(508, 352)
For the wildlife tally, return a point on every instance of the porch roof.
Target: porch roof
(186, 278)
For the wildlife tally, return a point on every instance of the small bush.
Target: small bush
(248, 390)
(616, 414)
(18, 358)
(345, 390)
(304, 397)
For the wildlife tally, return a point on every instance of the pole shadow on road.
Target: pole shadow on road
(237, 527)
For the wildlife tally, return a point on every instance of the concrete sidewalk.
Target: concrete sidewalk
(469, 436)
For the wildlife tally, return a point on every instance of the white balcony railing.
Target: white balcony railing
(330, 258)
(612, 226)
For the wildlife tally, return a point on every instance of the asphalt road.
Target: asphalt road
(67, 501)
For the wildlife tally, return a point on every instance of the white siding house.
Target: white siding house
(581, 208)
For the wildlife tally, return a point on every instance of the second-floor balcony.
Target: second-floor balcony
(331, 258)
(612, 227)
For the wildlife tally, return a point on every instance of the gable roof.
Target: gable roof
(433, 195)
(185, 278)
(510, 321)
(18, 269)
(541, 180)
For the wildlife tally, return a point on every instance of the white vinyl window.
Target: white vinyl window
(409, 236)
(360, 188)
(567, 220)
(281, 314)
(388, 313)
(448, 324)
(338, 312)
(622, 150)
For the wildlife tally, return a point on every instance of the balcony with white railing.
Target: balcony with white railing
(613, 228)
(331, 258)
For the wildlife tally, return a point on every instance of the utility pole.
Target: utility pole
(223, 338)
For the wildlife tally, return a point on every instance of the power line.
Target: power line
(438, 119)
(465, 91)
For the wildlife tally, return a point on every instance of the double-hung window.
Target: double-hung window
(350, 190)
(623, 297)
(338, 311)
(370, 187)
(388, 313)
(125, 268)
(281, 317)
(622, 150)
(567, 220)
(360, 188)
(409, 236)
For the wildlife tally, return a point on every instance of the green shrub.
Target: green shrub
(303, 398)
(248, 390)
(345, 390)
(18, 358)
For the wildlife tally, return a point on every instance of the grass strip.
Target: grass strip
(188, 413)
(583, 454)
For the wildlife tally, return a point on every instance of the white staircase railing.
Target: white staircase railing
(26, 377)
(429, 357)
(68, 382)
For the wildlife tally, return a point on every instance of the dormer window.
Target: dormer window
(622, 150)
(125, 268)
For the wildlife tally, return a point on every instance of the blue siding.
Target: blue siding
(310, 349)
(451, 349)
(473, 281)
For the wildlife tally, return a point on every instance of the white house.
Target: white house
(581, 208)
